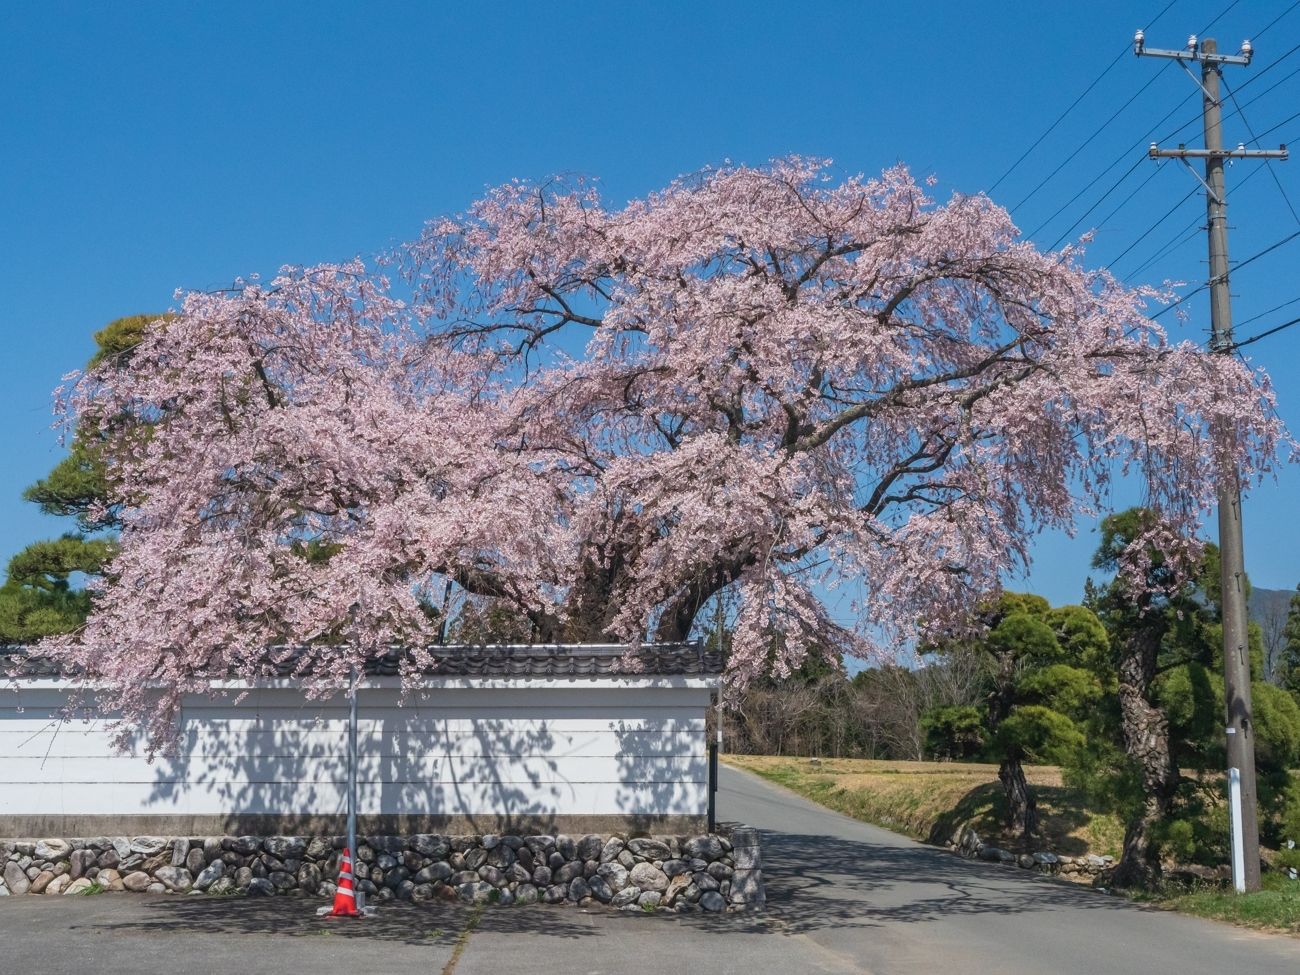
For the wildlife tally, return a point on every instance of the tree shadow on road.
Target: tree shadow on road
(401, 922)
(815, 882)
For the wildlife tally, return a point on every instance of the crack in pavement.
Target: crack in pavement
(462, 941)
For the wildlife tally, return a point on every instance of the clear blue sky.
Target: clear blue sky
(151, 146)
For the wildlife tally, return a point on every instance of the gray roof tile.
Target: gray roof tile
(654, 660)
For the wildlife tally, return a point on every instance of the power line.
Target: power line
(1145, 136)
(1250, 260)
(1246, 104)
(1084, 94)
(1096, 179)
(1268, 250)
(1114, 186)
(1265, 334)
(1061, 118)
(1269, 131)
(1268, 163)
(1162, 251)
(1174, 304)
(1177, 241)
(1088, 141)
(1222, 14)
(1255, 318)
(1146, 233)
(1265, 70)
(1194, 224)
(1261, 33)
(1154, 172)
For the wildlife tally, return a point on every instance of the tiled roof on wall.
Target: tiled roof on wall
(521, 661)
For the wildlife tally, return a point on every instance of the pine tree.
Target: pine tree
(44, 591)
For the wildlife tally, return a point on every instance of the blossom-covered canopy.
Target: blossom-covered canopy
(758, 381)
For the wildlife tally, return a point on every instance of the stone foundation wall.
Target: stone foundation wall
(711, 872)
(1084, 869)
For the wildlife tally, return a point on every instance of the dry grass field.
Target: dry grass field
(931, 800)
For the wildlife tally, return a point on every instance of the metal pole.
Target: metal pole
(352, 776)
(1236, 655)
(714, 747)
(446, 606)
(713, 786)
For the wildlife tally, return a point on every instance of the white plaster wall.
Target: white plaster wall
(601, 747)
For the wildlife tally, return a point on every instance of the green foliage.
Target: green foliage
(954, 732)
(1191, 696)
(1118, 532)
(46, 566)
(1197, 832)
(1289, 818)
(1102, 773)
(1289, 666)
(1277, 728)
(1288, 858)
(1038, 668)
(1024, 640)
(1181, 618)
(817, 666)
(27, 615)
(1082, 637)
(40, 596)
(116, 340)
(1037, 734)
(1177, 838)
(1026, 603)
(1072, 691)
(1276, 907)
(1288, 825)
(76, 483)
(316, 551)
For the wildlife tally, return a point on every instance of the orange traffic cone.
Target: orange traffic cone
(345, 898)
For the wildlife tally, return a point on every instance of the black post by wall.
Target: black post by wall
(713, 785)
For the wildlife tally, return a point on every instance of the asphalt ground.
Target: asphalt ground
(843, 897)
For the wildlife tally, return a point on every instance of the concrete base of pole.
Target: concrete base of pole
(1237, 837)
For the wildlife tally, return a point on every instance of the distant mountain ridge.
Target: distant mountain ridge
(1264, 603)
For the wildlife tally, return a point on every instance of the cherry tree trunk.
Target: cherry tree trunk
(1022, 807)
(1145, 731)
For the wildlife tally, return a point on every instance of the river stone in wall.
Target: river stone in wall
(648, 877)
(52, 849)
(15, 879)
(664, 873)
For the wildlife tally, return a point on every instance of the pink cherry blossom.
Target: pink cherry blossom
(763, 382)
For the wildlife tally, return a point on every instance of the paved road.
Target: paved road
(844, 897)
(881, 903)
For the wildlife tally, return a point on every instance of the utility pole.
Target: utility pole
(1236, 657)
